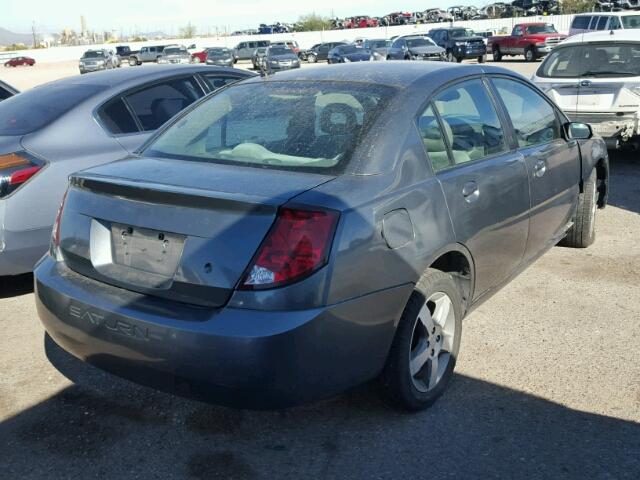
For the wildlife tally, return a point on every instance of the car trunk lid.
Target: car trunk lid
(180, 230)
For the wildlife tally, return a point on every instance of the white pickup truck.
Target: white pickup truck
(595, 79)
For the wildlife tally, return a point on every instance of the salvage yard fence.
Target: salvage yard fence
(304, 39)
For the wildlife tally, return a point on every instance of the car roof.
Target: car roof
(604, 36)
(133, 75)
(391, 73)
(608, 14)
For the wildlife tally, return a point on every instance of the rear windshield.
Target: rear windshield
(174, 50)
(630, 21)
(536, 29)
(218, 51)
(35, 108)
(93, 54)
(301, 126)
(280, 51)
(420, 42)
(593, 60)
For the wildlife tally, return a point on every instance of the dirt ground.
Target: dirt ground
(547, 386)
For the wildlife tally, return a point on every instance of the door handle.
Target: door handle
(540, 168)
(470, 192)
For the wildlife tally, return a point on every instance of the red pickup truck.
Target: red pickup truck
(533, 40)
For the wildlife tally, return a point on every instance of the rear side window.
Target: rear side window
(116, 117)
(433, 139)
(4, 93)
(216, 81)
(533, 118)
(602, 23)
(35, 108)
(472, 127)
(564, 62)
(156, 104)
(581, 22)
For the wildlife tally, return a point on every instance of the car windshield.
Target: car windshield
(630, 21)
(420, 42)
(280, 51)
(218, 51)
(302, 126)
(174, 50)
(31, 110)
(535, 29)
(593, 60)
(93, 54)
(462, 32)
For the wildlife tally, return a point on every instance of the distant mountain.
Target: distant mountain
(7, 37)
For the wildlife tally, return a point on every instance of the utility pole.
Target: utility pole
(33, 31)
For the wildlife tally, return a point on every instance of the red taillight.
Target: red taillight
(16, 169)
(297, 245)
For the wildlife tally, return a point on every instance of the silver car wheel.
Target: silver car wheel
(432, 341)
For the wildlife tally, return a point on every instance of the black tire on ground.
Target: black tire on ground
(497, 55)
(311, 58)
(450, 57)
(396, 378)
(482, 58)
(530, 54)
(459, 59)
(583, 231)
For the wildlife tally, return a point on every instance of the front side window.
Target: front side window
(563, 62)
(472, 128)
(533, 118)
(156, 104)
(614, 23)
(301, 126)
(518, 30)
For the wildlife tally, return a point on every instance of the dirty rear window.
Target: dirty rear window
(301, 126)
(35, 108)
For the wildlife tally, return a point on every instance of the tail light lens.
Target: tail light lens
(55, 232)
(297, 245)
(16, 169)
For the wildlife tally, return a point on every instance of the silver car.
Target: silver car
(95, 60)
(53, 130)
(175, 54)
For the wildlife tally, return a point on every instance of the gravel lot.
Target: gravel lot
(547, 386)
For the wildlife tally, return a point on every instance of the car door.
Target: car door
(132, 117)
(323, 51)
(483, 178)
(553, 163)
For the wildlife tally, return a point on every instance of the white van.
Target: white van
(592, 22)
(595, 78)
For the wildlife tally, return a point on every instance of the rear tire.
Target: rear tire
(311, 58)
(459, 59)
(196, 59)
(497, 56)
(583, 231)
(436, 305)
(133, 62)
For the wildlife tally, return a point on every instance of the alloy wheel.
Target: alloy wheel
(432, 341)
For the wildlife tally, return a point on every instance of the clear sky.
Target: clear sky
(169, 15)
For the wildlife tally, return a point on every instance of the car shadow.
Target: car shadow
(624, 184)
(104, 426)
(15, 286)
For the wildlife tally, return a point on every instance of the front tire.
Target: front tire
(450, 57)
(133, 62)
(583, 231)
(426, 344)
(312, 58)
(530, 54)
(482, 58)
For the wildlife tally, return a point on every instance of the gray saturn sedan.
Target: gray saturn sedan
(289, 237)
(53, 130)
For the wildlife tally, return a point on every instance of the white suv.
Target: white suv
(596, 21)
(595, 79)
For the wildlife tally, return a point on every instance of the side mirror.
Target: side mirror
(578, 131)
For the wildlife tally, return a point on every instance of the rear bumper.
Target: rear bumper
(234, 357)
(623, 126)
(19, 251)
